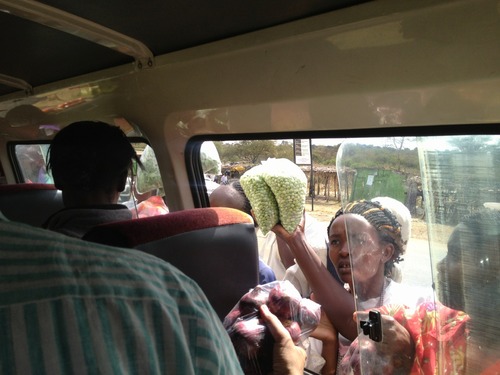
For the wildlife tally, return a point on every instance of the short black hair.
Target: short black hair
(247, 207)
(88, 155)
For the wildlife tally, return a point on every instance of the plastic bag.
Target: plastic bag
(261, 197)
(251, 338)
(289, 185)
(277, 191)
(210, 159)
(149, 178)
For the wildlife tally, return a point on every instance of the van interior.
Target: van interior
(396, 98)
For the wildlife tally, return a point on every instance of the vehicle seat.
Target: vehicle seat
(216, 247)
(30, 203)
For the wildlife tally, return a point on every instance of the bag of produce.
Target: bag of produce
(250, 336)
(289, 186)
(264, 205)
(277, 191)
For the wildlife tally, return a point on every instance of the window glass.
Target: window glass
(31, 159)
(143, 193)
(147, 196)
(461, 184)
(449, 190)
(211, 165)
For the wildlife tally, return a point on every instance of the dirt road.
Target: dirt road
(324, 211)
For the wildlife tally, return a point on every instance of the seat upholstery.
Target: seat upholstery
(216, 247)
(29, 203)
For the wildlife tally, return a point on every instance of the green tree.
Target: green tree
(284, 149)
(249, 152)
(324, 155)
(471, 143)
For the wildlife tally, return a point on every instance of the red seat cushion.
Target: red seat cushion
(131, 233)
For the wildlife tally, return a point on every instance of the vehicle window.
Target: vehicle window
(450, 186)
(143, 192)
(400, 158)
(31, 159)
(461, 185)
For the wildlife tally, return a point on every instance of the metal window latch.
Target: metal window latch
(373, 326)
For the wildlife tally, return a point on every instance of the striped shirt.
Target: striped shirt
(72, 307)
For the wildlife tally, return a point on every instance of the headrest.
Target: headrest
(30, 203)
(131, 233)
(14, 188)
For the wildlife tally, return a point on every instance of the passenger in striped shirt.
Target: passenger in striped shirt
(74, 307)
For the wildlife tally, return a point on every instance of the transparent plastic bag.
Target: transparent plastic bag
(277, 191)
(249, 334)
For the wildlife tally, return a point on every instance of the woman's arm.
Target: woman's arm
(286, 255)
(327, 334)
(337, 303)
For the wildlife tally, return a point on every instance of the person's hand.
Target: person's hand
(393, 355)
(288, 359)
(325, 331)
(328, 335)
(282, 233)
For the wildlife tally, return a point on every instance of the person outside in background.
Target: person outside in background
(232, 196)
(224, 180)
(93, 309)
(367, 236)
(317, 353)
(276, 253)
(89, 162)
(32, 164)
(458, 334)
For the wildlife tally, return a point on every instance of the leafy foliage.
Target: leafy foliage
(252, 152)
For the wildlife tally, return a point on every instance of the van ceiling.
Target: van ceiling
(38, 54)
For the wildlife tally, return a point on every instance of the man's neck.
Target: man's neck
(79, 199)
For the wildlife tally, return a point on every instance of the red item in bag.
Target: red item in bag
(250, 336)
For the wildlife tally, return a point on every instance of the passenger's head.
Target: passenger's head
(231, 196)
(89, 162)
(469, 274)
(368, 236)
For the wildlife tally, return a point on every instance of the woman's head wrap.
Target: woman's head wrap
(402, 214)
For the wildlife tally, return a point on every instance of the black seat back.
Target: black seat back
(216, 247)
(29, 203)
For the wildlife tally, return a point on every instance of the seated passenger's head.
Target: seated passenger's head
(368, 236)
(469, 274)
(231, 196)
(89, 162)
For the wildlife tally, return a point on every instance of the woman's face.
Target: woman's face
(355, 249)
